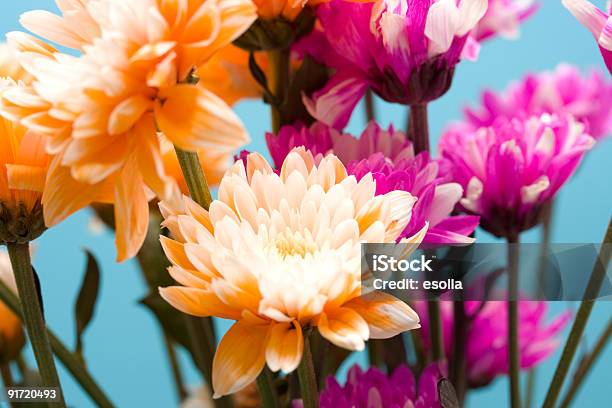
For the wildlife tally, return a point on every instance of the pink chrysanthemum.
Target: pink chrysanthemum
(436, 197)
(510, 169)
(321, 139)
(503, 18)
(487, 336)
(598, 23)
(389, 157)
(372, 389)
(405, 51)
(564, 90)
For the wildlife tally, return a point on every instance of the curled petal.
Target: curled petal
(285, 347)
(194, 118)
(386, 315)
(240, 357)
(345, 328)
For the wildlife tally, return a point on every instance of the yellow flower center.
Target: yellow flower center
(291, 243)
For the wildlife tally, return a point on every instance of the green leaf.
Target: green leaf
(171, 320)
(86, 302)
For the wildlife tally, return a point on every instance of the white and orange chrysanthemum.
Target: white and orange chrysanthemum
(102, 110)
(281, 252)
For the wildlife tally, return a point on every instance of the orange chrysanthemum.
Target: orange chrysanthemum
(281, 252)
(12, 339)
(102, 110)
(23, 168)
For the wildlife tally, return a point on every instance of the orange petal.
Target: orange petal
(285, 347)
(235, 18)
(239, 358)
(150, 160)
(131, 211)
(52, 27)
(126, 114)
(345, 328)
(175, 252)
(63, 195)
(192, 118)
(197, 302)
(30, 178)
(386, 315)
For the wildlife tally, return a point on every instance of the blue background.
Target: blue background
(123, 347)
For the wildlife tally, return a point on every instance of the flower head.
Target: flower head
(597, 22)
(373, 388)
(437, 197)
(503, 18)
(279, 253)
(509, 170)
(389, 157)
(12, 338)
(23, 168)
(487, 336)
(134, 76)
(564, 90)
(405, 51)
(321, 139)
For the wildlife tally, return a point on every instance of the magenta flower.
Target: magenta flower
(565, 90)
(321, 139)
(436, 197)
(487, 336)
(597, 22)
(374, 389)
(510, 169)
(391, 160)
(503, 18)
(405, 51)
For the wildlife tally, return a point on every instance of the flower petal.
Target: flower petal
(131, 211)
(239, 358)
(345, 328)
(386, 315)
(193, 118)
(285, 347)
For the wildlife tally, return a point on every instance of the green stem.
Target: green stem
(531, 386)
(513, 318)
(7, 379)
(279, 83)
(194, 177)
(308, 381)
(266, 389)
(7, 376)
(201, 330)
(69, 359)
(580, 321)
(435, 330)
(419, 350)
(369, 106)
(458, 363)
(586, 364)
(32, 316)
(419, 128)
(375, 353)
